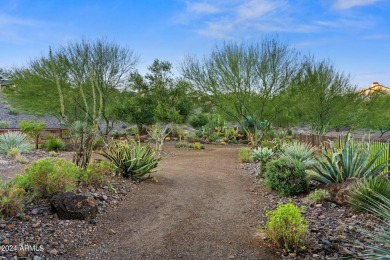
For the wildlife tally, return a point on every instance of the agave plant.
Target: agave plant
(131, 159)
(353, 160)
(303, 152)
(262, 154)
(17, 140)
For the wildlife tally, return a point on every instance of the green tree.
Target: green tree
(32, 129)
(75, 82)
(323, 97)
(375, 112)
(246, 82)
(157, 97)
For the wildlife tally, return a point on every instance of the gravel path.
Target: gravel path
(202, 207)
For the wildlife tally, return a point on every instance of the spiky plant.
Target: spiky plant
(131, 159)
(351, 161)
(303, 152)
(11, 140)
(262, 154)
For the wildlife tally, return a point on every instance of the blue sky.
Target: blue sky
(353, 34)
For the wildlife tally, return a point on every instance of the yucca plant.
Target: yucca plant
(303, 152)
(351, 161)
(262, 154)
(131, 159)
(11, 140)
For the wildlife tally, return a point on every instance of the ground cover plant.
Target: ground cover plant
(245, 154)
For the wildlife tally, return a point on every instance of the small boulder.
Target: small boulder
(341, 191)
(69, 205)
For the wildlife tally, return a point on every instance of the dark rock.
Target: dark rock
(69, 205)
(340, 191)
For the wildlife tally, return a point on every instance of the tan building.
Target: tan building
(375, 88)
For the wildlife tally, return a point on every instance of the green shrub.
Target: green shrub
(4, 124)
(317, 196)
(286, 227)
(353, 161)
(369, 196)
(303, 152)
(199, 120)
(198, 146)
(11, 202)
(96, 174)
(262, 154)
(11, 140)
(245, 154)
(131, 159)
(183, 145)
(53, 143)
(13, 152)
(48, 176)
(52, 154)
(21, 159)
(286, 177)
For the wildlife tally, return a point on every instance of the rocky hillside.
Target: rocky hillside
(12, 118)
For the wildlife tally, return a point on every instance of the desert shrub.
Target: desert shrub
(286, 177)
(198, 146)
(12, 201)
(4, 124)
(99, 144)
(52, 154)
(21, 159)
(317, 196)
(303, 152)
(354, 160)
(131, 159)
(199, 120)
(11, 140)
(245, 154)
(13, 152)
(53, 143)
(262, 154)
(286, 227)
(96, 174)
(369, 196)
(183, 145)
(48, 176)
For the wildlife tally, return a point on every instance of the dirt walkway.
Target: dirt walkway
(202, 207)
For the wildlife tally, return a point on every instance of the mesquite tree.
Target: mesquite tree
(77, 79)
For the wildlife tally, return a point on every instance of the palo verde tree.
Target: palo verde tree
(323, 97)
(75, 81)
(246, 81)
(375, 112)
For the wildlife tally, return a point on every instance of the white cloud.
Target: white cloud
(256, 9)
(7, 20)
(202, 8)
(347, 4)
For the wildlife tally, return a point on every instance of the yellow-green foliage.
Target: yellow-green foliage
(198, 146)
(13, 152)
(48, 176)
(286, 227)
(96, 174)
(11, 201)
(245, 154)
(317, 196)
